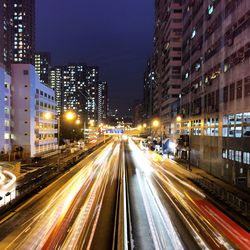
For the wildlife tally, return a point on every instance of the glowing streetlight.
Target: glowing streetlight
(156, 123)
(139, 127)
(70, 115)
(178, 118)
(144, 125)
(78, 121)
(92, 123)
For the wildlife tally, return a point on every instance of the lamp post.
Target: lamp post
(156, 124)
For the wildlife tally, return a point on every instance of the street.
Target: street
(63, 214)
(164, 182)
(80, 209)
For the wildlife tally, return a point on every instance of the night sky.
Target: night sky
(116, 35)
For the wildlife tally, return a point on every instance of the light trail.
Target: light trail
(162, 230)
(55, 217)
(221, 230)
(77, 235)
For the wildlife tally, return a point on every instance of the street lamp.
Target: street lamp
(156, 124)
(70, 115)
(78, 121)
(92, 123)
(178, 118)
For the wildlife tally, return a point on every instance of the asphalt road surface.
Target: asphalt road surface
(66, 213)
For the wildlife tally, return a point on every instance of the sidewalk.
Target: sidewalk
(230, 199)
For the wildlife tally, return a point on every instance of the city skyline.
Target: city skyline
(166, 165)
(120, 48)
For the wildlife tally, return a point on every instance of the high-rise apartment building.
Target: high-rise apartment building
(76, 88)
(102, 102)
(148, 90)
(5, 35)
(168, 44)
(91, 92)
(215, 97)
(42, 66)
(56, 83)
(5, 78)
(27, 107)
(23, 30)
(72, 86)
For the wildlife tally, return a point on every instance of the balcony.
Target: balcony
(39, 142)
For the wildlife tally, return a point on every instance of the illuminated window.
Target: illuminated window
(231, 154)
(193, 33)
(6, 136)
(246, 131)
(224, 153)
(246, 117)
(238, 156)
(210, 9)
(246, 157)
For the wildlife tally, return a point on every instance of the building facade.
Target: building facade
(167, 60)
(22, 14)
(102, 102)
(215, 97)
(42, 66)
(90, 94)
(6, 25)
(5, 112)
(56, 81)
(34, 112)
(148, 90)
(27, 106)
(76, 87)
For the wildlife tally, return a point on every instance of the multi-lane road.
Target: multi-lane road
(81, 209)
(177, 214)
(65, 214)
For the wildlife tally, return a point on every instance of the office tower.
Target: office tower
(42, 66)
(22, 14)
(168, 43)
(102, 102)
(215, 96)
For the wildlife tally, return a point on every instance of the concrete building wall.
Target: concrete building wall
(215, 97)
(168, 56)
(29, 112)
(5, 111)
(2, 109)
